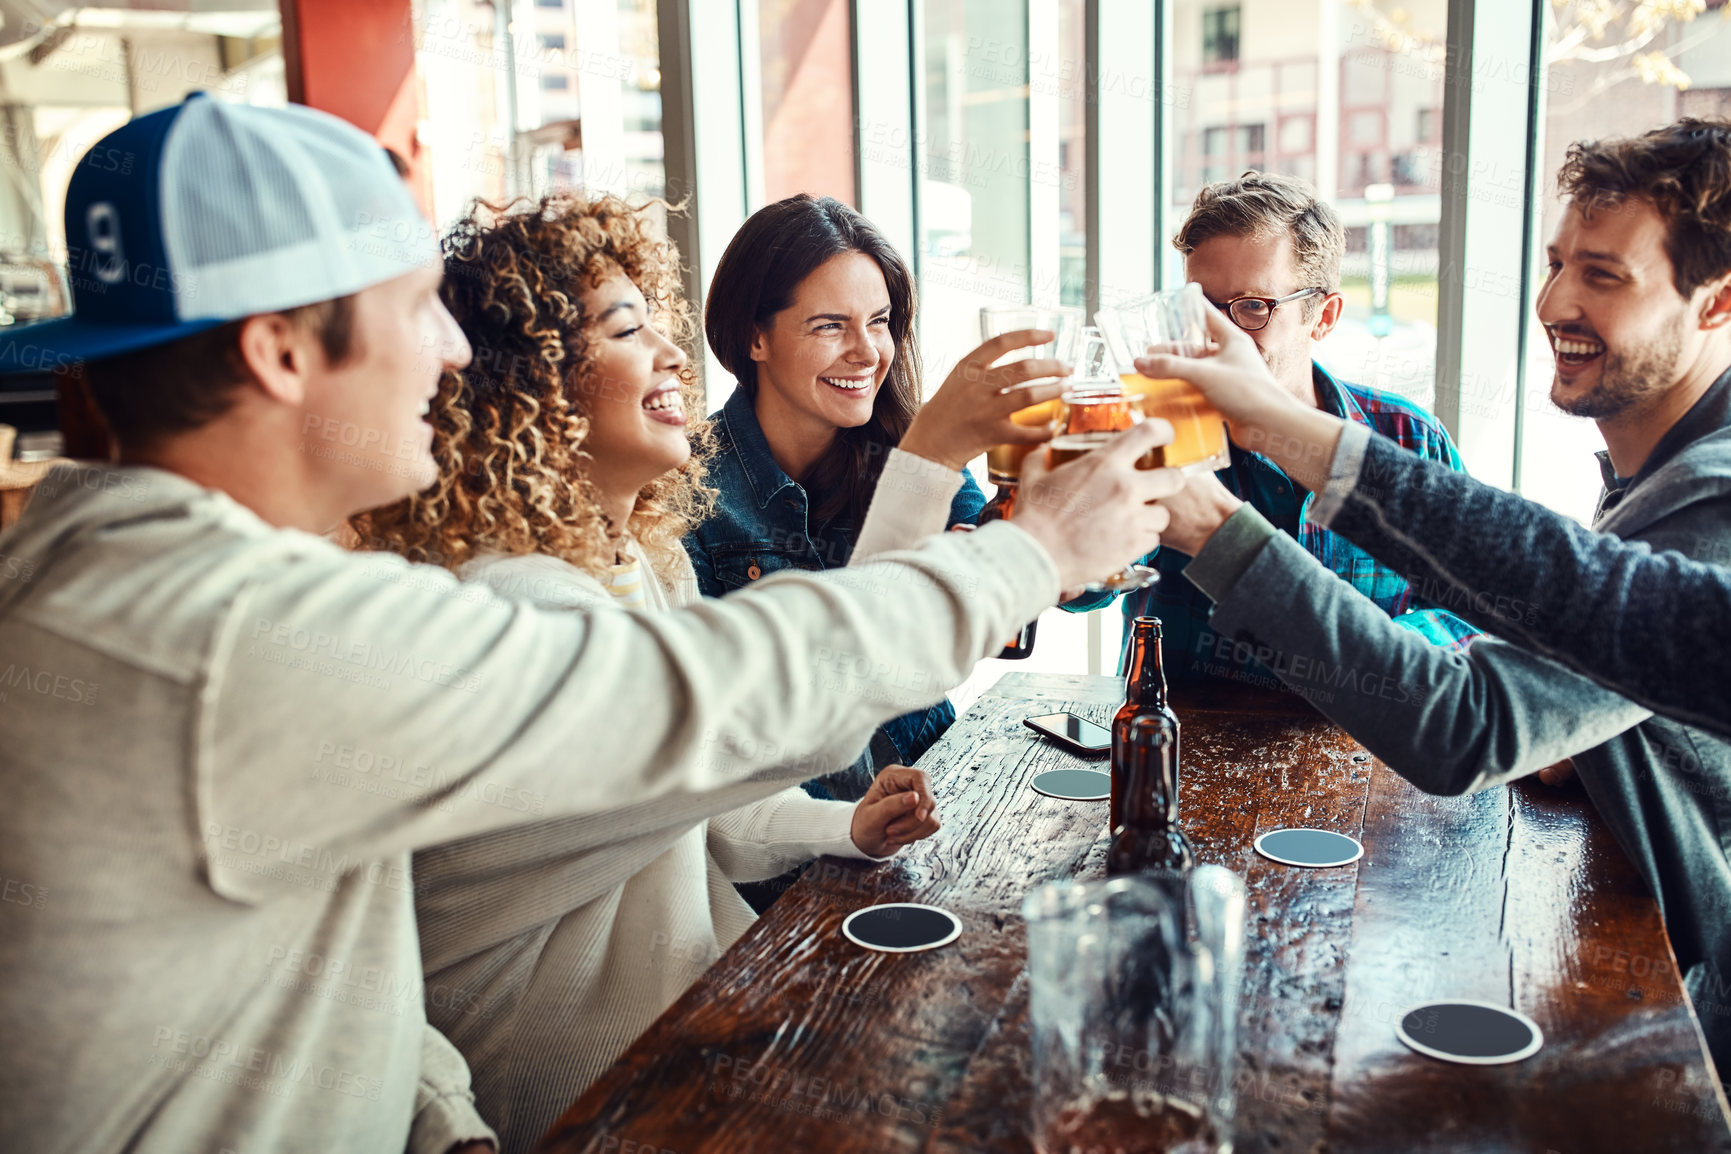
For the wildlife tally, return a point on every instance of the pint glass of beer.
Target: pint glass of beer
(1095, 412)
(1133, 991)
(1172, 321)
(1004, 462)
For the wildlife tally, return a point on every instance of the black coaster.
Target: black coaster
(1470, 1032)
(1315, 848)
(1073, 784)
(901, 927)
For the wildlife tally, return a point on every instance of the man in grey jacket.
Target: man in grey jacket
(1638, 309)
(224, 735)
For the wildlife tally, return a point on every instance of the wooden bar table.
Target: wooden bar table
(797, 1040)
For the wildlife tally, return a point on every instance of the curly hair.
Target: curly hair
(508, 430)
(1683, 170)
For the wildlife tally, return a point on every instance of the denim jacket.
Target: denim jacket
(761, 525)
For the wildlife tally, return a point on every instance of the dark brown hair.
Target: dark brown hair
(509, 429)
(1683, 170)
(180, 386)
(764, 265)
(1267, 204)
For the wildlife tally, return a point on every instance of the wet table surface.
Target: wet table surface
(797, 1040)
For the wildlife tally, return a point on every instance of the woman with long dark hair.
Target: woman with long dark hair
(566, 477)
(812, 311)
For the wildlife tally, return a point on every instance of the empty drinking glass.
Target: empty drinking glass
(1134, 991)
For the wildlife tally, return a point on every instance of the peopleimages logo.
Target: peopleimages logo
(363, 656)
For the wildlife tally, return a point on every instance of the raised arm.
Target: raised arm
(1448, 722)
(1654, 627)
(471, 712)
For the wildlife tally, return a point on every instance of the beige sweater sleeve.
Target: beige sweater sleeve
(673, 704)
(910, 503)
(445, 1114)
(779, 833)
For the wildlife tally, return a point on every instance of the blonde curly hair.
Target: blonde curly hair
(508, 430)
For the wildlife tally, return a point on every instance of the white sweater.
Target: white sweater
(224, 740)
(549, 948)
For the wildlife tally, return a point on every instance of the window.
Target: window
(1274, 109)
(974, 162)
(499, 133)
(806, 52)
(1231, 150)
(1220, 36)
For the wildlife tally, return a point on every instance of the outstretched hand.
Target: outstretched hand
(971, 412)
(1096, 514)
(1232, 374)
(896, 810)
(1262, 417)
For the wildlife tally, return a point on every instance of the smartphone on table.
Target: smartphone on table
(1076, 734)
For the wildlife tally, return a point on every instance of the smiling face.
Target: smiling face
(821, 360)
(629, 390)
(1618, 328)
(1229, 267)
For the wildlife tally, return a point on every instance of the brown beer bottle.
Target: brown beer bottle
(999, 509)
(1146, 836)
(1144, 695)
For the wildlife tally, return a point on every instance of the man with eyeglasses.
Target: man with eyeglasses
(1636, 303)
(1267, 252)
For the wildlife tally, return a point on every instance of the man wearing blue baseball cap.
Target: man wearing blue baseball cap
(224, 735)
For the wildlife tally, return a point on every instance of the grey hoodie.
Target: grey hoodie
(222, 740)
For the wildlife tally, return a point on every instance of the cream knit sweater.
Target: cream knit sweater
(549, 947)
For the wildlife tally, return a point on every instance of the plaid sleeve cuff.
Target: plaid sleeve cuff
(1342, 473)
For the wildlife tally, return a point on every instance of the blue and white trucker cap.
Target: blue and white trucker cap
(208, 212)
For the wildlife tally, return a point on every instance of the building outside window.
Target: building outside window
(1220, 35)
(560, 95)
(1329, 91)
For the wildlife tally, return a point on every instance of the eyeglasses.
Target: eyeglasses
(1252, 313)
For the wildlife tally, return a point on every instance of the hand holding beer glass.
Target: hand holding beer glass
(1096, 409)
(1004, 462)
(1174, 321)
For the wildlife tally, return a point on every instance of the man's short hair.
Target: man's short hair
(1683, 170)
(1265, 204)
(179, 386)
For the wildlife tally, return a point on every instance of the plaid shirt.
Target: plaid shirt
(1194, 652)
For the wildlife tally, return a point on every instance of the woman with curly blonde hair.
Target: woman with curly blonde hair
(540, 450)
(566, 477)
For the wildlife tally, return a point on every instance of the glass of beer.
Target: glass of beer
(1095, 411)
(1004, 462)
(1173, 321)
(1133, 990)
